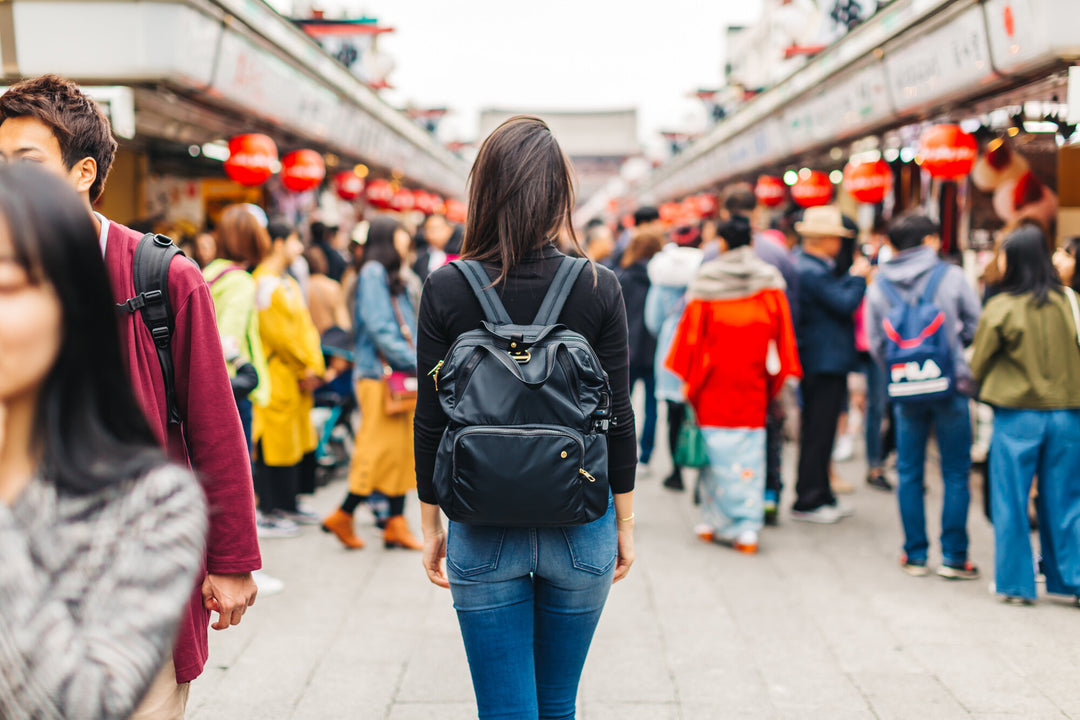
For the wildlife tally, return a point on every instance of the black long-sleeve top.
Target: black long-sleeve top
(594, 309)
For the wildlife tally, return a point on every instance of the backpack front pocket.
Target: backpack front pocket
(511, 476)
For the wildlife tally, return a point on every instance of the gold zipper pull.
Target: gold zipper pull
(585, 472)
(435, 374)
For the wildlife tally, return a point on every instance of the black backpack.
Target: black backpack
(150, 271)
(529, 409)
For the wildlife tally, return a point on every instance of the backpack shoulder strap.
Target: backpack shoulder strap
(932, 285)
(559, 290)
(891, 293)
(474, 273)
(150, 271)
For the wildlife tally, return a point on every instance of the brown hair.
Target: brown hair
(79, 125)
(241, 238)
(521, 195)
(316, 260)
(643, 246)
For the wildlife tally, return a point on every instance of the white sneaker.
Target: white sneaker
(824, 515)
(844, 509)
(844, 449)
(267, 584)
(275, 527)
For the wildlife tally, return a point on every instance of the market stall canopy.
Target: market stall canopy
(237, 56)
(911, 59)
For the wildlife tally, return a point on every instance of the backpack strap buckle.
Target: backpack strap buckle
(521, 356)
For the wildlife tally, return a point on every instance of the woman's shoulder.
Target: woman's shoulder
(373, 269)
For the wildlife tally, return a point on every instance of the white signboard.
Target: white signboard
(939, 63)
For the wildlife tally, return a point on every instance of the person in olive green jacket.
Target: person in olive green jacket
(1027, 360)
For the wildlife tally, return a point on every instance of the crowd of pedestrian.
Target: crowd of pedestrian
(759, 329)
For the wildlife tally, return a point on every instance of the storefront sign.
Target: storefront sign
(937, 64)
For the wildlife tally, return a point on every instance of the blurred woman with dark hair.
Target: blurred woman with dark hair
(734, 348)
(385, 325)
(1027, 361)
(633, 275)
(100, 538)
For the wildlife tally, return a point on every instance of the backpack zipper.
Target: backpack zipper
(435, 374)
(525, 432)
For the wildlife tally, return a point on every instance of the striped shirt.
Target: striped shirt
(91, 591)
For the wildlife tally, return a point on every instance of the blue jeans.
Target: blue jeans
(1028, 443)
(952, 425)
(648, 431)
(876, 401)
(528, 601)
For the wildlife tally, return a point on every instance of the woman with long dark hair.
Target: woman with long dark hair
(385, 325)
(528, 599)
(100, 539)
(1027, 359)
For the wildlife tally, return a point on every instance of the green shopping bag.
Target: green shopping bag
(690, 451)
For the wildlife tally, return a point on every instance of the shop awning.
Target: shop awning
(912, 60)
(207, 66)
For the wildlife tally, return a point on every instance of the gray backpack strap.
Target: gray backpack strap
(474, 273)
(561, 286)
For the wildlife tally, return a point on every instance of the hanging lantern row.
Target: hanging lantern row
(253, 159)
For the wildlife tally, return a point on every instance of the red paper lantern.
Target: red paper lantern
(427, 203)
(379, 193)
(815, 189)
(707, 204)
(770, 191)
(669, 211)
(947, 152)
(348, 185)
(868, 182)
(251, 159)
(302, 170)
(403, 200)
(455, 211)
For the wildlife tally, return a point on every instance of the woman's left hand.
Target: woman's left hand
(626, 551)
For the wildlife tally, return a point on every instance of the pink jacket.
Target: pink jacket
(218, 450)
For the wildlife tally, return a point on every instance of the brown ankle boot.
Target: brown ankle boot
(340, 523)
(397, 534)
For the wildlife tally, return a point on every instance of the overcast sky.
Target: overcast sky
(556, 55)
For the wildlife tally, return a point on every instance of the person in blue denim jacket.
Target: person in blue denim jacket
(385, 326)
(670, 272)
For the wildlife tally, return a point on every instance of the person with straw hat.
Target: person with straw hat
(825, 333)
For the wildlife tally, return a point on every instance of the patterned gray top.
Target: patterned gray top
(91, 592)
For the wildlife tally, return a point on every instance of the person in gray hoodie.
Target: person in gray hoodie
(912, 236)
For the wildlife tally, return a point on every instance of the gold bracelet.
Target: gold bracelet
(627, 519)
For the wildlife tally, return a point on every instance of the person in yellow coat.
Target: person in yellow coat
(282, 431)
(385, 325)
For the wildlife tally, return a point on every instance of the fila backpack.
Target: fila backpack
(919, 364)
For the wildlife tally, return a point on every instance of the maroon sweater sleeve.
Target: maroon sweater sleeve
(215, 438)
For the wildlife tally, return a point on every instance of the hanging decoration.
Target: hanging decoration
(251, 159)
(770, 191)
(302, 170)
(814, 189)
(403, 200)
(455, 211)
(707, 204)
(379, 193)
(868, 182)
(669, 212)
(947, 152)
(348, 185)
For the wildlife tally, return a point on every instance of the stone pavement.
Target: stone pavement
(820, 624)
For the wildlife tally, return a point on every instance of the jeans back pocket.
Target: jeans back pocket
(473, 549)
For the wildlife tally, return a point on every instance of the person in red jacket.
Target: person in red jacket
(734, 348)
(49, 121)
